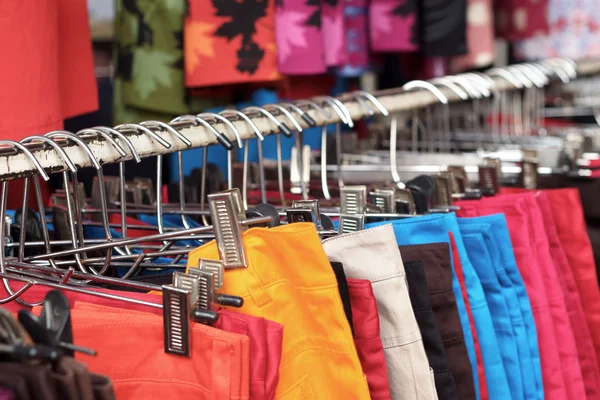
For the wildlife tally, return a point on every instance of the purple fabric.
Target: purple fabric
(357, 43)
(298, 37)
(393, 25)
(332, 26)
(6, 394)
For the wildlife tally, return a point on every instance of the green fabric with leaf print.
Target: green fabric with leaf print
(149, 77)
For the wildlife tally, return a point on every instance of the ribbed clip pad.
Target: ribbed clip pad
(176, 317)
(227, 213)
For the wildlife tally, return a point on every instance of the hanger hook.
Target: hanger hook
(78, 141)
(448, 83)
(162, 125)
(557, 69)
(478, 85)
(140, 128)
(285, 112)
(419, 84)
(243, 116)
(59, 150)
(568, 65)
(104, 207)
(287, 132)
(315, 107)
(109, 139)
(229, 154)
(124, 138)
(340, 108)
(506, 75)
(194, 120)
(518, 74)
(280, 125)
(304, 115)
(373, 100)
(227, 122)
(261, 165)
(535, 73)
(29, 155)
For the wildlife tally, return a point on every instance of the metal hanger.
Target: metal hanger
(327, 115)
(195, 120)
(344, 115)
(283, 128)
(123, 199)
(14, 294)
(261, 164)
(418, 84)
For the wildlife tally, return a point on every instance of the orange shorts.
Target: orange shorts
(130, 348)
(289, 280)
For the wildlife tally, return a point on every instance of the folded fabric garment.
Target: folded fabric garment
(438, 272)
(432, 337)
(373, 254)
(581, 331)
(218, 368)
(515, 211)
(289, 280)
(340, 276)
(472, 234)
(435, 229)
(367, 337)
(570, 226)
(497, 241)
(266, 339)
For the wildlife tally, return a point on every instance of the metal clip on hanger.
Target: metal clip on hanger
(490, 173)
(229, 219)
(353, 206)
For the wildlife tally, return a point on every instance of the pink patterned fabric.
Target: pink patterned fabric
(298, 36)
(393, 25)
(480, 37)
(332, 26)
(574, 31)
(523, 19)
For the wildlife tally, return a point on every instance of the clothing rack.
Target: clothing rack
(14, 163)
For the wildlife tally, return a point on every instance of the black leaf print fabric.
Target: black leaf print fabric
(393, 25)
(299, 38)
(315, 17)
(229, 41)
(244, 16)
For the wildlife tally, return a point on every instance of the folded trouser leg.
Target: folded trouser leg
(289, 280)
(434, 229)
(432, 338)
(438, 273)
(373, 254)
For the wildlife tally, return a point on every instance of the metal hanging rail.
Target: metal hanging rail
(15, 163)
